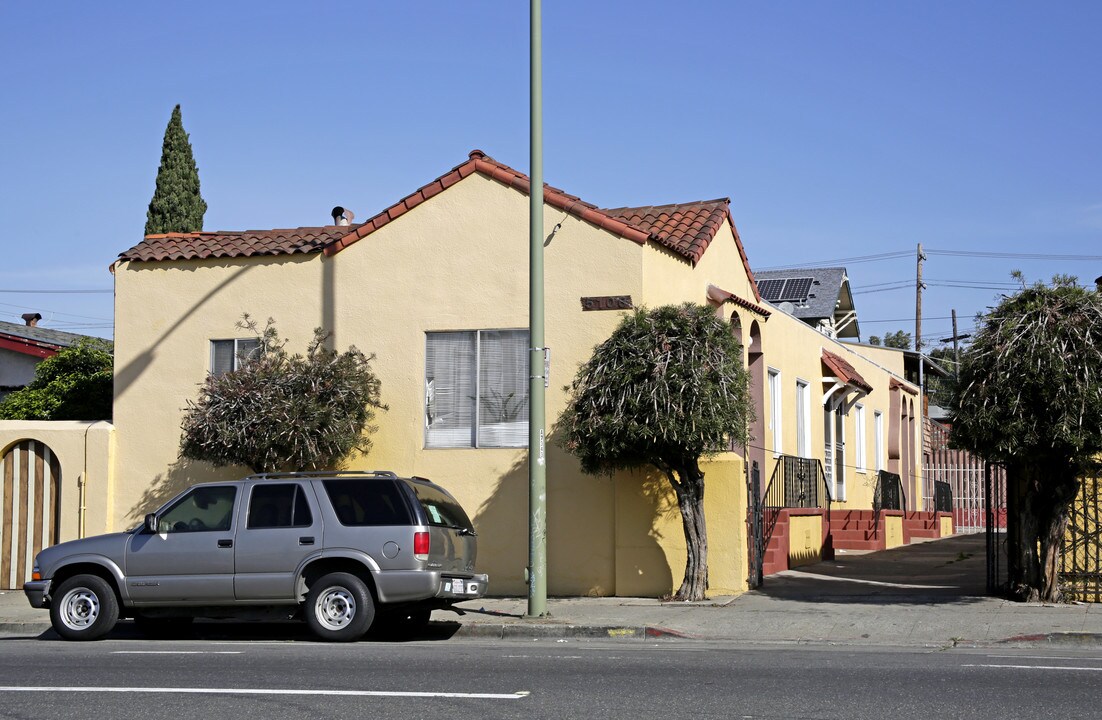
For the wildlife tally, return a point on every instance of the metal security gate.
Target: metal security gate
(1081, 557)
(965, 475)
(29, 509)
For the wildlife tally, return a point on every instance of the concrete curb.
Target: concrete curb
(24, 628)
(517, 631)
(1080, 639)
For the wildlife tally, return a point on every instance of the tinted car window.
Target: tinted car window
(279, 506)
(204, 508)
(440, 508)
(368, 502)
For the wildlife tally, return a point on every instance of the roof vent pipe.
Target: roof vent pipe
(342, 216)
(31, 319)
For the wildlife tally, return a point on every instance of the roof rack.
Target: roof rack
(325, 473)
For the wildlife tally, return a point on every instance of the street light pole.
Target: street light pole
(537, 381)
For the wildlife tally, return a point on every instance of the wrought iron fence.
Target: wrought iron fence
(943, 496)
(1081, 557)
(797, 483)
(889, 492)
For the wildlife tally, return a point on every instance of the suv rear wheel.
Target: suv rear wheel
(84, 608)
(339, 607)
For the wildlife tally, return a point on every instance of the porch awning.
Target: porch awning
(844, 372)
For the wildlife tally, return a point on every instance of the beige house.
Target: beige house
(436, 286)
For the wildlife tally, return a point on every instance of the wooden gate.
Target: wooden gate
(30, 511)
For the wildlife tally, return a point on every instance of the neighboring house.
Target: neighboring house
(437, 286)
(22, 347)
(821, 297)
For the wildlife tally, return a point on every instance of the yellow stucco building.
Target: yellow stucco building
(436, 286)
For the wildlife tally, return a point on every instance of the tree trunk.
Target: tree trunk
(1045, 490)
(689, 488)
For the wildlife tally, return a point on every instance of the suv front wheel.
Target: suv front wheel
(339, 607)
(84, 608)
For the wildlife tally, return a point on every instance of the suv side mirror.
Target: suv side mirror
(151, 523)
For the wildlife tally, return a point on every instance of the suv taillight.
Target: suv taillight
(421, 546)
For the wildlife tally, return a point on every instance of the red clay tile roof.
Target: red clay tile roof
(844, 371)
(686, 229)
(233, 244)
(902, 386)
(720, 295)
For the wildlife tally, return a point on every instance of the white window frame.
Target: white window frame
(878, 426)
(238, 353)
(775, 416)
(859, 446)
(803, 418)
(476, 428)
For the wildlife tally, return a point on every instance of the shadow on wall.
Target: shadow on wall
(128, 374)
(596, 533)
(181, 475)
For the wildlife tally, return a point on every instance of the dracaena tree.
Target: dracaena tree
(1029, 396)
(280, 411)
(665, 390)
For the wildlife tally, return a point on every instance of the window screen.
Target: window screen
(476, 389)
(228, 355)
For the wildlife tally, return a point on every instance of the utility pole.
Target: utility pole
(537, 354)
(957, 337)
(919, 287)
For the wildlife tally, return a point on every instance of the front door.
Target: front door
(189, 561)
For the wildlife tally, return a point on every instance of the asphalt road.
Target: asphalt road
(276, 679)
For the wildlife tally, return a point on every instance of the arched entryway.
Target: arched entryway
(30, 500)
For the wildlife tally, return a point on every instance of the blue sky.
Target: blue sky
(838, 130)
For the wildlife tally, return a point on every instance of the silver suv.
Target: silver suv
(348, 550)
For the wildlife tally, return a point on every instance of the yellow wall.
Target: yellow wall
(85, 452)
(458, 262)
(893, 531)
(795, 349)
(805, 539)
(946, 525)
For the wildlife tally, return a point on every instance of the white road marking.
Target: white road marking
(275, 691)
(175, 652)
(1038, 667)
(1043, 657)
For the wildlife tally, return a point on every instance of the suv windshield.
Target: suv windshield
(440, 508)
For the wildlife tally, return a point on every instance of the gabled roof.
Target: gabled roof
(686, 229)
(34, 340)
(844, 371)
(830, 293)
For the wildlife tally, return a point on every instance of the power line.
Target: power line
(1017, 256)
(851, 260)
(55, 312)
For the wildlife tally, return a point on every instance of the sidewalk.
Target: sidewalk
(925, 595)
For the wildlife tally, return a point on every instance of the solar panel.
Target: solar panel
(771, 289)
(796, 289)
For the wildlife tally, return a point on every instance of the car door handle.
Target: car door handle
(225, 543)
(306, 540)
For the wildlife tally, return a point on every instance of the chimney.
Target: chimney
(31, 319)
(342, 216)
(1098, 283)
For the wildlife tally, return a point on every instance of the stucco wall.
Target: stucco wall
(85, 452)
(458, 262)
(16, 368)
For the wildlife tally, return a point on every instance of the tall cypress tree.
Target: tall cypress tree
(177, 205)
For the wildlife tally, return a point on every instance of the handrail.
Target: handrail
(797, 482)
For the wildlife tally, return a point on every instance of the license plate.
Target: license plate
(457, 586)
